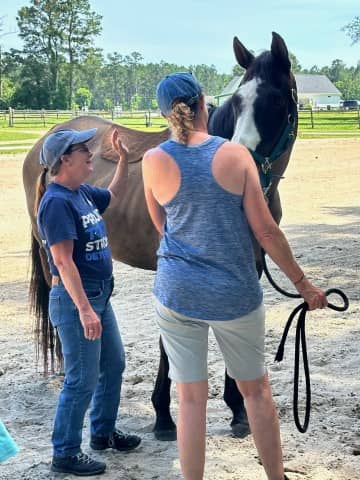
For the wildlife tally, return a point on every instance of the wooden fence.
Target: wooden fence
(328, 120)
(44, 118)
(332, 120)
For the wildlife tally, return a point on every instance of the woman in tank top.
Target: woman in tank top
(204, 197)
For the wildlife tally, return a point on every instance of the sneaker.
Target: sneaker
(80, 464)
(116, 440)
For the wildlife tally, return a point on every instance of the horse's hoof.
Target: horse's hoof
(240, 425)
(240, 430)
(164, 429)
(165, 435)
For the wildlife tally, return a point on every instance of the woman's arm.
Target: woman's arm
(272, 239)
(118, 184)
(156, 211)
(62, 255)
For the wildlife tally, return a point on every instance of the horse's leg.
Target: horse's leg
(165, 428)
(234, 400)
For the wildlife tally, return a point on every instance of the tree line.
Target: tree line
(60, 67)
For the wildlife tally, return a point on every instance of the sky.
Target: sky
(188, 32)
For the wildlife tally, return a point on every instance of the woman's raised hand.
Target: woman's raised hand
(118, 146)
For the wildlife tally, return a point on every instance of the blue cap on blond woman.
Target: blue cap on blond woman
(177, 86)
(58, 142)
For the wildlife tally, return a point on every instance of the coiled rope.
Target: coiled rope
(300, 344)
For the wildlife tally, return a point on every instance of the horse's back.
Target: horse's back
(131, 233)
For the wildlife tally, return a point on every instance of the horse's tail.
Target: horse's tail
(46, 341)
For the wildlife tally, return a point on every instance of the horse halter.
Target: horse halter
(265, 163)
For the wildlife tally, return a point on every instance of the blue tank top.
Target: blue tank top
(206, 266)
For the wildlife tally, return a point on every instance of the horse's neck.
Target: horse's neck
(221, 121)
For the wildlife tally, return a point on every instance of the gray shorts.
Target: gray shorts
(185, 340)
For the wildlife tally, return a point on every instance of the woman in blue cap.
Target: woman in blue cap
(74, 237)
(204, 195)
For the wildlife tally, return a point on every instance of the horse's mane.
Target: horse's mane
(221, 119)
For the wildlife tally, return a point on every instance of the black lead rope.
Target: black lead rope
(300, 343)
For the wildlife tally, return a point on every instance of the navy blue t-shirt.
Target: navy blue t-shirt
(66, 214)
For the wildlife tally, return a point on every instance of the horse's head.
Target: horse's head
(265, 102)
(262, 113)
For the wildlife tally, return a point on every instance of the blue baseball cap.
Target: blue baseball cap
(177, 86)
(58, 142)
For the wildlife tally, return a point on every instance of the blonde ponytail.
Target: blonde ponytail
(181, 118)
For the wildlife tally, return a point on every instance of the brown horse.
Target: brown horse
(261, 114)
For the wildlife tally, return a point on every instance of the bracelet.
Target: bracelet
(300, 279)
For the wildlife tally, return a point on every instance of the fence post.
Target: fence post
(43, 116)
(359, 117)
(312, 118)
(11, 117)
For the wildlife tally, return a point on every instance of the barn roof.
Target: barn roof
(314, 83)
(306, 83)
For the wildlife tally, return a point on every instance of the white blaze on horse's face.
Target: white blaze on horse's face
(245, 131)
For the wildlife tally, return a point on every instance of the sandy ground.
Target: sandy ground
(321, 203)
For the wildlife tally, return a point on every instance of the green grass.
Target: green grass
(14, 151)
(32, 129)
(11, 135)
(326, 124)
(329, 121)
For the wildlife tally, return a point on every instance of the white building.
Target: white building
(317, 91)
(312, 89)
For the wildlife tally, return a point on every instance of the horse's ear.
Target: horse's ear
(280, 52)
(106, 149)
(242, 54)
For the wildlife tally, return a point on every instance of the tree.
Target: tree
(31, 81)
(209, 78)
(56, 31)
(83, 97)
(295, 65)
(314, 69)
(132, 62)
(41, 28)
(8, 91)
(352, 29)
(81, 26)
(238, 71)
(31, 93)
(115, 74)
(337, 70)
(2, 34)
(90, 73)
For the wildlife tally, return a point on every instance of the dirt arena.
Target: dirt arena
(321, 217)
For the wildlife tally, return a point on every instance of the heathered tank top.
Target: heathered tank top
(206, 266)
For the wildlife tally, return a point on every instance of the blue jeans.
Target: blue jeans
(93, 368)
